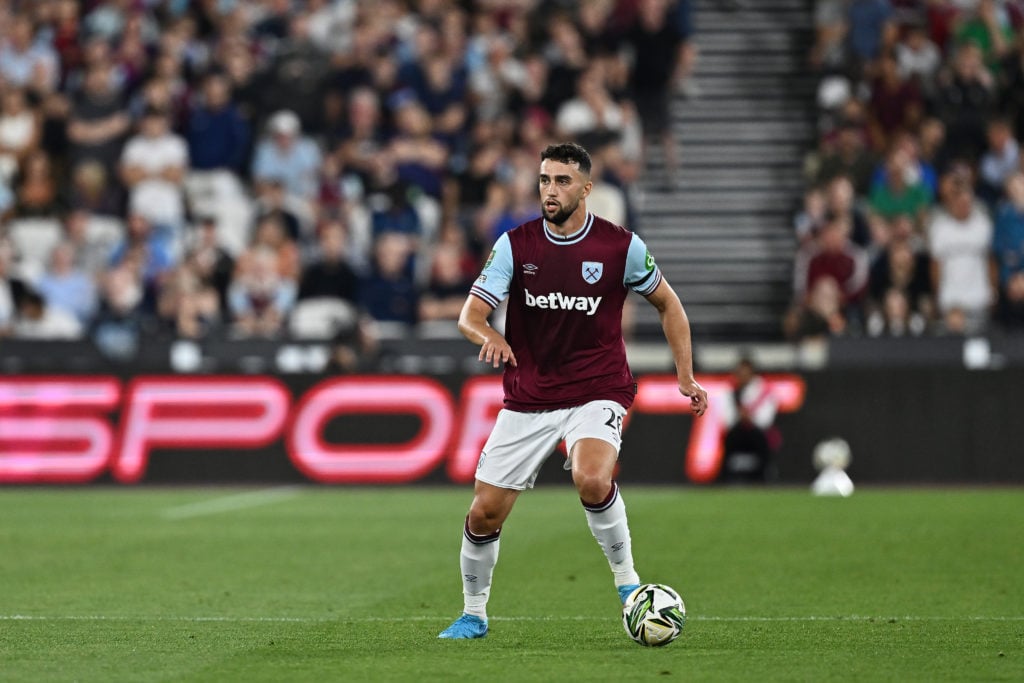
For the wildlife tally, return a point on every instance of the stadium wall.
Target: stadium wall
(904, 425)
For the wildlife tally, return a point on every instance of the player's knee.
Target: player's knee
(593, 487)
(484, 519)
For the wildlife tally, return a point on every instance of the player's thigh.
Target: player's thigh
(517, 448)
(594, 436)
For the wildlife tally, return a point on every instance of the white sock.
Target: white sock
(477, 560)
(607, 521)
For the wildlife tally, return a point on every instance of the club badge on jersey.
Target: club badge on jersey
(592, 271)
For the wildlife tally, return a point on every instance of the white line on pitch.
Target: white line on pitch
(235, 501)
(422, 617)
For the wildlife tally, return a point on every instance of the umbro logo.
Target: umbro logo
(470, 577)
(618, 546)
(529, 269)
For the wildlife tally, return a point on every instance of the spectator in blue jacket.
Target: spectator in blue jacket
(218, 135)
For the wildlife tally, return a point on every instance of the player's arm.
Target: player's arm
(677, 331)
(473, 324)
(486, 294)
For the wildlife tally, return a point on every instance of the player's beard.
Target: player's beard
(560, 216)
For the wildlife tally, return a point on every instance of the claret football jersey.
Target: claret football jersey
(564, 319)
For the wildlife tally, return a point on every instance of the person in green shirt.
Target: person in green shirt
(989, 28)
(903, 193)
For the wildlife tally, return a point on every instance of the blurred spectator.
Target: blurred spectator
(917, 166)
(1008, 246)
(895, 317)
(809, 219)
(270, 233)
(153, 167)
(986, 24)
(218, 134)
(819, 316)
(330, 274)
(36, 319)
(896, 103)
(36, 188)
(209, 260)
(92, 240)
(1011, 100)
(122, 322)
(297, 72)
(682, 11)
(900, 291)
(448, 284)
(566, 58)
(391, 211)
(188, 304)
(932, 152)
(918, 57)
(607, 199)
(836, 258)
(359, 155)
(389, 293)
(499, 80)
(259, 297)
(1000, 161)
(751, 438)
(657, 46)
(593, 112)
(840, 200)
(25, 60)
(871, 31)
(20, 131)
(274, 202)
(848, 156)
(828, 53)
(960, 242)
(964, 101)
(286, 156)
(93, 191)
(6, 288)
(146, 249)
(98, 121)
(515, 203)
(470, 189)
(66, 287)
(902, 193)
(417, 159)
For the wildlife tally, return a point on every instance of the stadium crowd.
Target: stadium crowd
(299, 167)
(913, 218)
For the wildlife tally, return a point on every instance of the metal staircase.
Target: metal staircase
(723, 232)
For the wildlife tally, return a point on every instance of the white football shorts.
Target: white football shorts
(521, 442)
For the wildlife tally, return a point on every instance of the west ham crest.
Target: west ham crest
(592, 271)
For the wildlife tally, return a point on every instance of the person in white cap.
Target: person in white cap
(287, 157)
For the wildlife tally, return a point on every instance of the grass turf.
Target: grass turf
(354, 584)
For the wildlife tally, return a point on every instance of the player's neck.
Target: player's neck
(572, 224)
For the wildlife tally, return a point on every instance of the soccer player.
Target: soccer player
(566, 276)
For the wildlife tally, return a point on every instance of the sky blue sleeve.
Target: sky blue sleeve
(642, 275)
(492, 285)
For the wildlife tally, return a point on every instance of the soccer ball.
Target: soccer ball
(654, 614)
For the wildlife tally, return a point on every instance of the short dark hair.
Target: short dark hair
(568, 153)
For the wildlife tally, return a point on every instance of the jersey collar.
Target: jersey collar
(574, 237)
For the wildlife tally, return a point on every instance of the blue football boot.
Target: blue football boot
(624, 591)
(466, 626)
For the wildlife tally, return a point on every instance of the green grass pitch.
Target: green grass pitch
(353, 584)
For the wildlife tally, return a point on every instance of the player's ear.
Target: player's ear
(588, 187)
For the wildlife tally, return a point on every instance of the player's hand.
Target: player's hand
(495, 350)
(698, 396)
